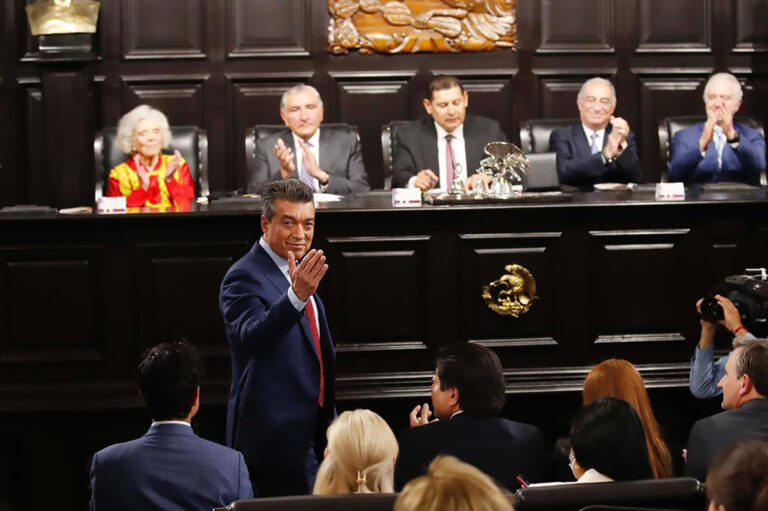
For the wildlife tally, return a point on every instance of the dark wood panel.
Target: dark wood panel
(181, 99)
(750, 26)
(286, 34)
(37, 184)
(567, 26)
(170, 29)
(558, 97)
(660, 27)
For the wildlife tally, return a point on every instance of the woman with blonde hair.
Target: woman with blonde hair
(360, 457)
(619, 379)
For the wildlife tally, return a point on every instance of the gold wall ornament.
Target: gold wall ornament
(513, 293)
(48, 17)
(410, 26)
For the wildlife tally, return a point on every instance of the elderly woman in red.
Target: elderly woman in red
(148, 177)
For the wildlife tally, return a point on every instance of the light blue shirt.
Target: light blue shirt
(706, 372)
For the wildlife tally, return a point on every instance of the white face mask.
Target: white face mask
(571, 461)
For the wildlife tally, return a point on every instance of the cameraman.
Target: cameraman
(705, 372)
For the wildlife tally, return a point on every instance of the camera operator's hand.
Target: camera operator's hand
(731, 316)
(707, 329)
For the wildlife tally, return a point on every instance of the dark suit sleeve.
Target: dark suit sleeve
(409, 464)
(259, 175)
(244, 488)
(685, 156)
(404, 165)
(256, 322)
(574, 170)
(751, 151)
(696, 462)
(627, 166)
(356, 179)
(95, 485)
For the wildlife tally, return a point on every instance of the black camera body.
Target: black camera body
(748, 294)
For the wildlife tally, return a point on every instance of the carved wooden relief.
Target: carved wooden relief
(410, 26)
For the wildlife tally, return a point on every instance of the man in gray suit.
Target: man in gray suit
(326, 159)
(745, 388)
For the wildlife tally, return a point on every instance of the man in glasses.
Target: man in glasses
(600, 148)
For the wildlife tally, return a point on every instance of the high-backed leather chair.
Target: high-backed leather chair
(671, 125)
(354, 502)
(677, 493)
(388, 132)
(253, 135)
(534, 140)
(191, 141)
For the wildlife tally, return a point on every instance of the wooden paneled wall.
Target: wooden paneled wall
(222, 64)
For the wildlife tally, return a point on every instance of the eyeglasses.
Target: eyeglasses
(591, 100)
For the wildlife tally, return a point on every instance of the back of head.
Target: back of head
(360, 457)
(619, 379)
(738, 477)
(451, 485)
(289, 190)
(607, 436)
(754, 362)
(476, 372)
(442, 82)
(169, 376)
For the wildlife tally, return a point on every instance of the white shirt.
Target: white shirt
(283, 266)
(459, 157)
(160, 423)
(600, 134)
(315, 150)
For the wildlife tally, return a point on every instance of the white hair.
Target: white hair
(597, 79)
(126, 128)
(297, 89)
(728, 77)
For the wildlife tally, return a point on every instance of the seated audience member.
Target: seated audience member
(451, 485)
(467, 395)
(327, 160)
(360, 457)
(738, 479)
(600, 148)
(619, 379)
(745, 387)
(705, 371)
(148, 177)
(428, 152)
(608, 443)
(718, 149)
(169, 467)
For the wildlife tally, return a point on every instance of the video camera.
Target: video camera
(748, 293)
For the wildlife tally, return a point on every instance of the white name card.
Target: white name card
(405, 197)
(111, 205)
(670, 191)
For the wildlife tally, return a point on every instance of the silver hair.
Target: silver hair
(729, 78)
(597, 79)
(297, 89)
(739, 362)
(126, 128)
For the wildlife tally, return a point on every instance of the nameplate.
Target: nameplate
(405, 197)
(670, 191)
(111, 205)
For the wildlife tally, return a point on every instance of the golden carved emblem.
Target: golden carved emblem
(410, 26)
(513, 293)
(48, 17)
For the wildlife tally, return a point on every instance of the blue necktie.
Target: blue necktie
(593, 146)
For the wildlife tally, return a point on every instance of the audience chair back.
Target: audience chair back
(685, 493)
(253, 135)
(534, 141)
(354, 502)
(625, 508)
(388, 132)
(671, 125)
(191, 141)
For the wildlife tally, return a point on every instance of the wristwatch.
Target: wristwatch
(734, 142)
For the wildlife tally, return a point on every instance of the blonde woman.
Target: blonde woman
(360, 457)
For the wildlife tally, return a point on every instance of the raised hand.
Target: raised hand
(173, 165)
(420, 419)
(285, 157)
(311, 163)
(307, 276)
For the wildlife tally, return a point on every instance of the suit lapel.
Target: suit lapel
(473, 148)
(582, 144)
(324, 148)
(429, 146)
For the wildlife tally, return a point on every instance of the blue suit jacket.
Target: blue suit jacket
(168, 468)
(273, 414)
(577, 166)
(741, 164)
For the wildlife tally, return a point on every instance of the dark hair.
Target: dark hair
(289, 190)
(754, 362)
(475, 371)
(169, 375)
(738, 477)
(607, 435)
(442, 82)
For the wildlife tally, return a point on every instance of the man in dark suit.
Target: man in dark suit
(467, 395)
(283, 359)
(600, 148)
(326, 159)
(745, 388)
(718, 149)
(428, 152)
(170, 467)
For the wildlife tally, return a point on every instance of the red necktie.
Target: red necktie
(450, 162)
(310, 310)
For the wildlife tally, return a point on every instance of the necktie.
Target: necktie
(310, 310)
(593, 146)
(719, 145)
(450, 162)
(304, 174)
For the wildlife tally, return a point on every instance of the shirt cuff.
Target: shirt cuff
(411, 181)
(295, 301)
(323, 187)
